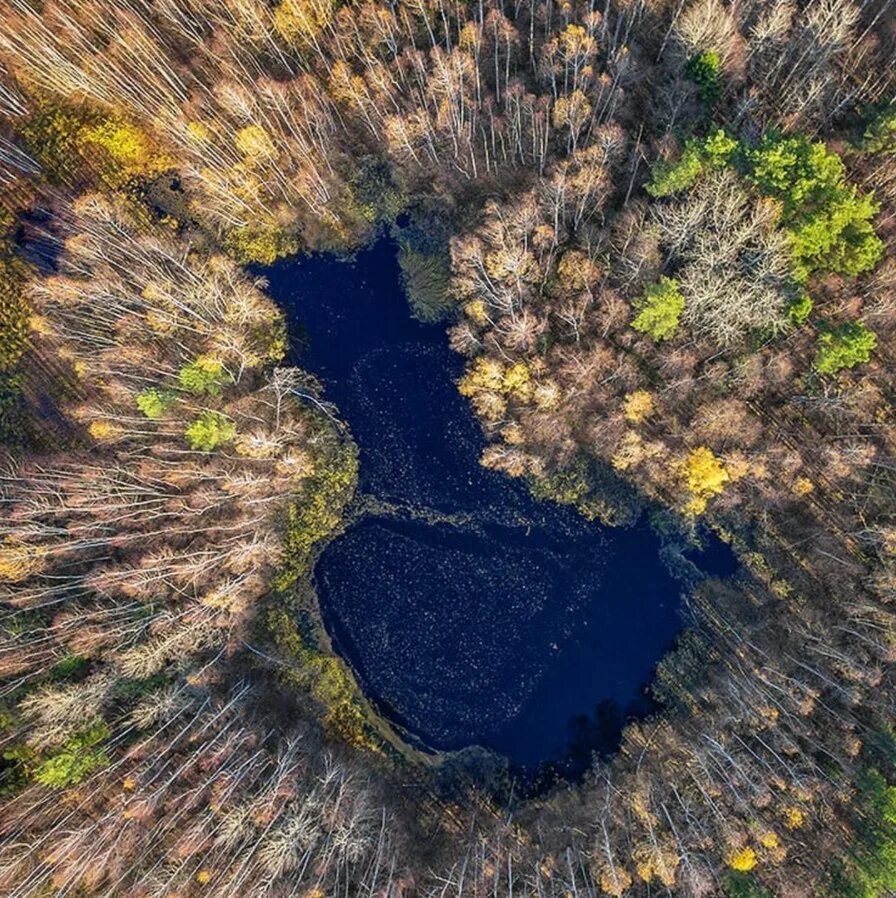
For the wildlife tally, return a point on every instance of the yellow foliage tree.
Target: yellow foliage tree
(705, 477)
(475, 311)
(18, 561)
(485, 374)
(614, 881)
(742, 860)
(638, 406)
(131, 151)
(657, 860)
(300, 21)
(517, 381)
(575, 270)
(255, 143)
(104, 431)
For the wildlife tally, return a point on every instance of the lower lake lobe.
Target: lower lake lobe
(471, 613)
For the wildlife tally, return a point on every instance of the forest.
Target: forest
(662, 236)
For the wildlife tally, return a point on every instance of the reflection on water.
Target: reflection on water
(471, 613)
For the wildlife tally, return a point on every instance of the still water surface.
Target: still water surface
(471, 613)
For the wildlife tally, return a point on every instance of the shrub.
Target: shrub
(317, 512)
(72, 666)
(426, 278)
(743, 885)
(129, 150)
(264, 244)
(12, 406)
(660, 310)
(870, 869)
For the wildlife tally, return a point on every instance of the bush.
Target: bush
(71, 142)
(743, 885)
(78, 757)
(426, 278)
(130, 152)
(317, 510)
(12, 406)
(374, 191)
(844, 347)
(660, 310)
(70, 667)
(264, 244)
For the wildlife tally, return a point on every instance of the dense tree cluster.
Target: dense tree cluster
(671, 258)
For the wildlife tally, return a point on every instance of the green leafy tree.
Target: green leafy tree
(705, 71)
(660, 310)
(800, 309)
(720, 149)
(209, 431)
(668, 177)
(78, 757)
(828, 221)
(838, 238)
(717, 150)
(849, 345)
(14, 315)
(743, 885)
(154, 402)
(870, 870)
(205, 375)
(880, 133)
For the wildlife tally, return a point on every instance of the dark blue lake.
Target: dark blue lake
(471, 613)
